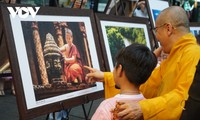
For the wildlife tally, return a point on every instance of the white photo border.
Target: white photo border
(120, 24)
(24, 65)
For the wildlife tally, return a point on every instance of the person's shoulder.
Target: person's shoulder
(191, 44)
(106, 107)
(192, 50)
(109, 101)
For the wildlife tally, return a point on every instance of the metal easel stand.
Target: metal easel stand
(86, 114)
(84, 110)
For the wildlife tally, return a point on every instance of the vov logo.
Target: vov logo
(23, 12)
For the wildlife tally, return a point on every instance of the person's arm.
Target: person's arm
(110, 90)
(158, 51)
(63, 48)
(169, 105)
(173, 101)
(106, 77)
(150, 87)
(95, 75)
(129, 110)
(71, 59)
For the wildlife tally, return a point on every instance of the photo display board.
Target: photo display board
(195, 28)
(48, 48)
(116, 32)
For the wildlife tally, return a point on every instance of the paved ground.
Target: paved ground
(9, 111)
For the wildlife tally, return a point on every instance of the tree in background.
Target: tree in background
(119, 37)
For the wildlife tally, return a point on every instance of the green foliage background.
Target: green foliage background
(117, 35)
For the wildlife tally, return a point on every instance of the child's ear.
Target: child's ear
(119, 70)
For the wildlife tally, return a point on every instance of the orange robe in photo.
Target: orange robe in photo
(73, 71)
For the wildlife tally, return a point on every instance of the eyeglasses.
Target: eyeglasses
(156, 28)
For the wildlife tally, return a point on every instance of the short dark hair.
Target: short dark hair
(138, 62)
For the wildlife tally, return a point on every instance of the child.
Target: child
(134, 65)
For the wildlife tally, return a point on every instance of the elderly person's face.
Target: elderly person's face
(160, 32)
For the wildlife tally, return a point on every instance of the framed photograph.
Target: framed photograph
(154, 8)
(195, 28)
(116, 32)
(83, 4)
(47, 54)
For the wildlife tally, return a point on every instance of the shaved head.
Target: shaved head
(176, 16)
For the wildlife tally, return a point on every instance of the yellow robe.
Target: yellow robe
(167, 88)
(109, 86)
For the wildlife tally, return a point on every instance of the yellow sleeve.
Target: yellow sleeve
(109, 85)
(169, 106)
(166, 107)
(150, 87)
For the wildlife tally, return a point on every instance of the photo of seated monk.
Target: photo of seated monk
(72, 64)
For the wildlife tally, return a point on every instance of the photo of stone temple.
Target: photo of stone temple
(59, 50)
